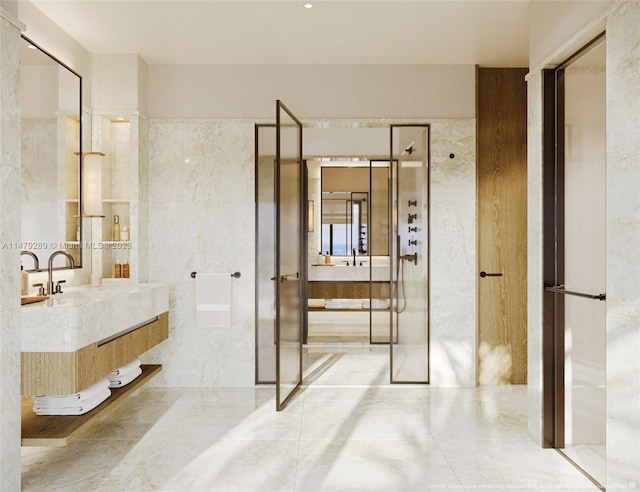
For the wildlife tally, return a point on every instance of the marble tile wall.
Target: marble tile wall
(623, 247)
(142, 217)
(201, 218)
(10, 30)
(534, 254)
(453, 253)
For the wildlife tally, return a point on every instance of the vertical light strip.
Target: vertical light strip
(92, 184)
(311, 219)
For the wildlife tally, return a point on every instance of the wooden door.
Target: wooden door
(502, 225)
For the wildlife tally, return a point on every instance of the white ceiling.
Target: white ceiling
(485, 32)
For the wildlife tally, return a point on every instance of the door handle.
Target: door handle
(484, 274)
(559, 289)
(285, 278)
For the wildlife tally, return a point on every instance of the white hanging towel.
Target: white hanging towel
(213, 300)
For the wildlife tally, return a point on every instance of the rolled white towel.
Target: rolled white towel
(125, 379)
(73, 399)
(126, 369)
(79, 408)
(336, 303)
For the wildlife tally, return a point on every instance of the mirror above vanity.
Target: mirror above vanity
(355, 208)
(51, 148)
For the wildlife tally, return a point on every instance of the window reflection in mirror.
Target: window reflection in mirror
(344, 222)
(355, 209)
(51, 129)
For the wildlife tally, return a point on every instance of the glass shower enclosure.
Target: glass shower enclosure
(409, 327)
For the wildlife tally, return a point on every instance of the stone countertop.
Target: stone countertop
(343, 273)
(84, 315)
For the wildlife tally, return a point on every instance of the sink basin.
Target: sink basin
(83, 315)
(32, 299)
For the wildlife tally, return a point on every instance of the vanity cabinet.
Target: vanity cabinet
(359, 292)
(58, 373)
(65, 373)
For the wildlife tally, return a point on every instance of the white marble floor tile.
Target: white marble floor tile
(341, 421)
(496, 464)
(346, 429)
(376, 465)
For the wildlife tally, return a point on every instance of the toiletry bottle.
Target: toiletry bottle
(25, 282)
(117, 270)
(327, 258)
(124, 233)
(125, 269)
(115, 231)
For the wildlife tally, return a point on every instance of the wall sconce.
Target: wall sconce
(92, 184)
(311, 216)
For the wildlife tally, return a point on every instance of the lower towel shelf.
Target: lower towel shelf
(60, 430)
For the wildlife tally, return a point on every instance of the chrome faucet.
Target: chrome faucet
(50, 287)
(36, 262)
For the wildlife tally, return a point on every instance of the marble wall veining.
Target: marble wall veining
(622, 242)
(453, 253)
(201, 218)
(10, 187)
(534, 257)
(623, 247)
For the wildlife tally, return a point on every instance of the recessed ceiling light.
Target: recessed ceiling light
(308, 5)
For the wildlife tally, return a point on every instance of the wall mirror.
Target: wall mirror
(51, 148)
(345, 222)
(355, 209)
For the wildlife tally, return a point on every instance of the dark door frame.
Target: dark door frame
(553, 416)
(553, 251)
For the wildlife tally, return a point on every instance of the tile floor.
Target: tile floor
(347, 430)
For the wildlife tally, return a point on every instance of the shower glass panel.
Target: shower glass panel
(380, 291)
(265, 156)
(584, 260)
(290, 265)
(409, 329)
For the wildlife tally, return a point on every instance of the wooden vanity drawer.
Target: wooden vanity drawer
(347, 290)
(117, 352)
(64, 373)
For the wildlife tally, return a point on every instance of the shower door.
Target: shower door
(409, 246)
(289, 278)
(265, 294)
(576, 291)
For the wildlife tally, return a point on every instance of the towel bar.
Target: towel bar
(234, 274)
